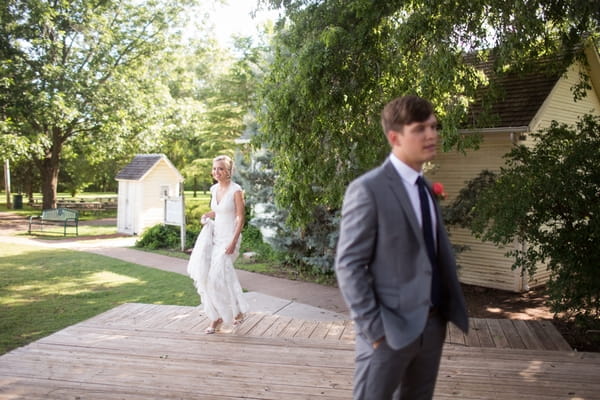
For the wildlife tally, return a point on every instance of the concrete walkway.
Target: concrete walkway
(268, 294)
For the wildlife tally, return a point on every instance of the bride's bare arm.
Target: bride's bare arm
(240, 213)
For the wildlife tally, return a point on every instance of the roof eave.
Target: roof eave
(500, 129)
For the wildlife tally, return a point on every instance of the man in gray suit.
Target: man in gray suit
(395, 265)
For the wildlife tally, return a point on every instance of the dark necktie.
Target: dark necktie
(436, 289)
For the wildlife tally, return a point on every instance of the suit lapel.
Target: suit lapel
(394, 181)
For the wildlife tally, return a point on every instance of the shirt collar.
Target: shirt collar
(405, 172)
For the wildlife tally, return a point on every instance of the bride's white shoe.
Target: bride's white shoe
(238, 319)
(212, 328)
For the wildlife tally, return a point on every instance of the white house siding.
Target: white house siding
(560, 105)
(484, 264)
(152, 205)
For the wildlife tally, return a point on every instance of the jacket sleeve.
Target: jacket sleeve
(355, 249)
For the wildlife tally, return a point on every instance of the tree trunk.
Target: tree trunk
(49, 168)
(7, 183)
(27, 178)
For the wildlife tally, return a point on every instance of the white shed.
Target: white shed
(144, 184)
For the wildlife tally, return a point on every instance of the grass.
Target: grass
(55, 232)
(287, 272)
(43, 291)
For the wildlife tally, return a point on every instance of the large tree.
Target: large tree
(79, 70)
(337, 62)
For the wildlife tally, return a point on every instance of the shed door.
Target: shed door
(129, 217)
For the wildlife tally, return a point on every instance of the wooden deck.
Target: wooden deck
(139, 351)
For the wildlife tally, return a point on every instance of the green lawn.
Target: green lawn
(43, 291)
(55, 232)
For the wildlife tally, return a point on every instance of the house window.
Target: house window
(164, 192)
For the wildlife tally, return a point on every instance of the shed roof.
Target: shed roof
(141, 165)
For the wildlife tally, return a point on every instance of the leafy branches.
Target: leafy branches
(336, 63)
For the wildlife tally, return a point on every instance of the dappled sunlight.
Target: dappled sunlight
(532, 372)
(525, 313)
(179, 317)
(111, 279)
(97, 280)
(17, 299)
(535, 373)
(95, 339)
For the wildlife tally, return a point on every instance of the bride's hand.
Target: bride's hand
(230, 249)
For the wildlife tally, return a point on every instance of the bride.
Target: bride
(217, 247)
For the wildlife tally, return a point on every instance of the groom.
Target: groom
(395, 265)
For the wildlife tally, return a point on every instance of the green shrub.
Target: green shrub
(252, 240)
(194, 211)
(158, 237)
(165, 237)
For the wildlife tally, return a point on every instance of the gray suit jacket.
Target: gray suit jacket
(382, 266)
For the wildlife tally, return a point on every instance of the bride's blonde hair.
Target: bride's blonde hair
(228, 163)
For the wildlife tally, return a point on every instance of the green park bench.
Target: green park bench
(57, 216)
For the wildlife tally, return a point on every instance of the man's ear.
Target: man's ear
(394, 137)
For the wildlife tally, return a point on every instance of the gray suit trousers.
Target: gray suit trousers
(406, 373)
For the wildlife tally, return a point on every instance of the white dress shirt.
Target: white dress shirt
(409, 178)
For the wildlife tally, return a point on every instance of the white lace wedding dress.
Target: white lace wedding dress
(211, 269)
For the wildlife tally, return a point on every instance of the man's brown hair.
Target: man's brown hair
(403, 111)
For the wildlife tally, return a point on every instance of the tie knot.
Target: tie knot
(420, 181)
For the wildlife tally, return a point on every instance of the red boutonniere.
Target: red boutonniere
(438, 190)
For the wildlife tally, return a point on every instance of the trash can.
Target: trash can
(17, 201)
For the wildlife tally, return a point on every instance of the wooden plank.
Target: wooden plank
(527, 336)
(277, 327)
(320, 331)
(455, 335)
(117, 313)
(471, 338)
(511, 334)
(555, 337)
(348, 332)
(497, 333)
(543, 337)
(186, 319)
(336, 328)
(249, 322)
(306, 329)
(161, 319)
(483, 332)
(138, 317)
(291, 329)
(188, 322)
(261, 326)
